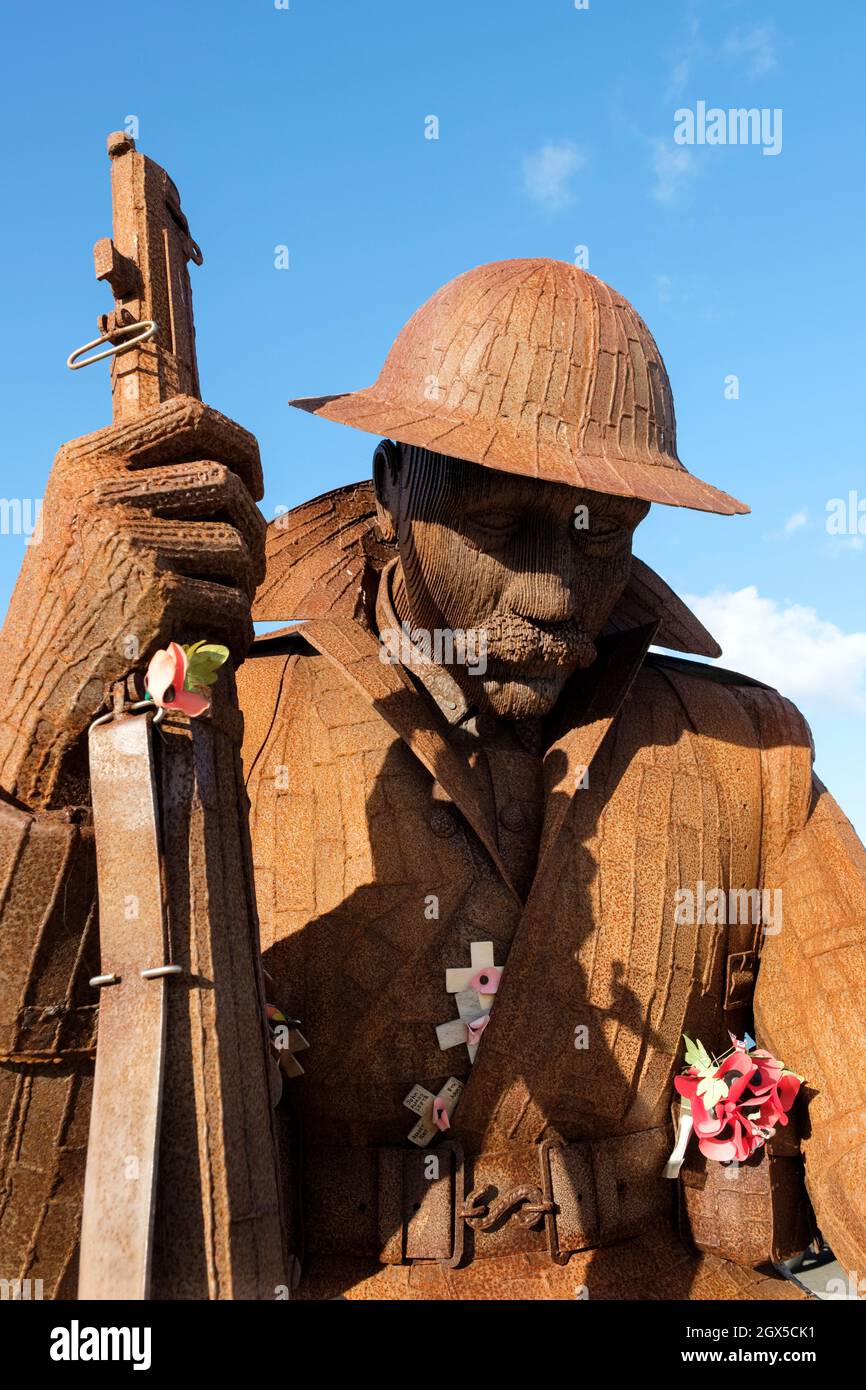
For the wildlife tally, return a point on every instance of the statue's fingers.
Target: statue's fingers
(193, 608)
(211, 550)
(200, 491)
(177, 431)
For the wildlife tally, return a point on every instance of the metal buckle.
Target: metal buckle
(553, 1250)
(526, 1202)
(458, 1197)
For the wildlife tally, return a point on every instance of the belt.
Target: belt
(401, 1206)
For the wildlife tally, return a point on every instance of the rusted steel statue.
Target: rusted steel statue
(505, 855)
(150, 534)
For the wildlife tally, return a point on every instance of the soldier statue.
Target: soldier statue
(479, 795)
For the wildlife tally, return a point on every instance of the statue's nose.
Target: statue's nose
(542, 596)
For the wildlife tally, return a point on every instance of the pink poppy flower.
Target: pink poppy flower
(768, 1071)
(440, 1115)
(775, 1106)
(164, 682)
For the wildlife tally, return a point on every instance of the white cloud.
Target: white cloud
(788, 646)
(687, 54)
(664, 286)
(547, 173)
(756, 46)
(672, 167)
(796, 522)
(680, 74)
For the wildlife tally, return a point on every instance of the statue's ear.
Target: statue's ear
(387, 463)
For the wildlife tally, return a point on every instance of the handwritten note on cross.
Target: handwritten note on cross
(434, 1112)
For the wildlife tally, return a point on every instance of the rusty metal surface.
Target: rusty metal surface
(150, 534)
(120, 1184)
(604, 419)
(145, 263)
(324, 555)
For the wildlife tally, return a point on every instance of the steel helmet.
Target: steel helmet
(538, 368)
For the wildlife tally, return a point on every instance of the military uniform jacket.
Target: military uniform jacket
(389, 835)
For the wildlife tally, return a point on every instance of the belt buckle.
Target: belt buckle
(459, 1193)
(557, 1256)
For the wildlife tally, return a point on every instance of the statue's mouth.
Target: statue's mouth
(530, 648)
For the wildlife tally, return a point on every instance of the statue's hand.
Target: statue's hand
(148, 532)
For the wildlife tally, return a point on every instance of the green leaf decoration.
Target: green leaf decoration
(696, 1054)
(205, 659)
(712, 1089)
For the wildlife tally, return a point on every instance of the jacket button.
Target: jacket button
(512, 817)
(442, 823)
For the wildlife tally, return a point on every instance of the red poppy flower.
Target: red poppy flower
(740, 1102)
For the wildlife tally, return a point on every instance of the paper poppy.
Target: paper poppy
(737, 1102)
(178, 677)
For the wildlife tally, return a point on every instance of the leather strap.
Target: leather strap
(120, 1181)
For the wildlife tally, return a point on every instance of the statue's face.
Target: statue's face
(534, 568)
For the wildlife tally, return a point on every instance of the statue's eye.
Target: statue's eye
(603, 536)
(495, 523)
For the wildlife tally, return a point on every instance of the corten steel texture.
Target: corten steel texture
(321, 557)
(703, 777)
(218, 1214)
(150, 533)
(761, 1209)
(146, 266)
(120, 1182)
(538, 368)
(372, 790)
(48, 952)
(218, 1207)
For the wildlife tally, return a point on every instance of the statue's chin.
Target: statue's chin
(522, 697)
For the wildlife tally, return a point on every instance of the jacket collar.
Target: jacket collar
(328, 569)
(588, 715)
(439, 684)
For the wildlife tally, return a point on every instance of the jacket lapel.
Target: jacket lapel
(567, 759)
(356, 652)
(570, 755)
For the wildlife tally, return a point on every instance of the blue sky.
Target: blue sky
(305, 127)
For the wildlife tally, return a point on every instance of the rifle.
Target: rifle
(181, 1194)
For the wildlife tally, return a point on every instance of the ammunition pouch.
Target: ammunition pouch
(757, 1212)
(752, 1213)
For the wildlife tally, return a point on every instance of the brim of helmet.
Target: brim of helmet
(531, 455)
